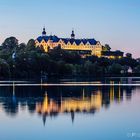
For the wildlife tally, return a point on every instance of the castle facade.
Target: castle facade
(85, 47)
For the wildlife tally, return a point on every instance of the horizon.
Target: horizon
(111, 22)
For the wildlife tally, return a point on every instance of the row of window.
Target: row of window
(62, 43)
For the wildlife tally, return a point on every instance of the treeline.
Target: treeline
(27, 61)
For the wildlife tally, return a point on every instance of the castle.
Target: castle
(85, 47)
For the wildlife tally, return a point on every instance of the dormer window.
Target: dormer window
(68, 43)
(82, 43)
(74, 43)
(98, 43)
(87, 43)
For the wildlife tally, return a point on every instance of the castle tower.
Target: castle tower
(44, 32)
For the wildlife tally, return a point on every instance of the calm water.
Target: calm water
(69, 112)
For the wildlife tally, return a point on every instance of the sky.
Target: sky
(113, 22)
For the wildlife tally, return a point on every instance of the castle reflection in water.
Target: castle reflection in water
(55, 100)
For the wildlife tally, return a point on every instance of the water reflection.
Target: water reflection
(52, 101)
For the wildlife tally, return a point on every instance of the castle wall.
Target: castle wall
(95, 49)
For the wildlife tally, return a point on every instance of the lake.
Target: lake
(70, 110)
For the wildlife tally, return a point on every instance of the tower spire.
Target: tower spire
(72, 34)
(44, 31)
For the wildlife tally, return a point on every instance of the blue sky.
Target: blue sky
(116, 22)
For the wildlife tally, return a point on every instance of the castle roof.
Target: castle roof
(66, 40)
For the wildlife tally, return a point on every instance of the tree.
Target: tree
(22, 46)
(129, 55)
(125, 69)
(31, 43)
(10, 43)
(9, 46)
(92, 68)
(115, 68)
(107, 47)
(137, 69)
(4, 69)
